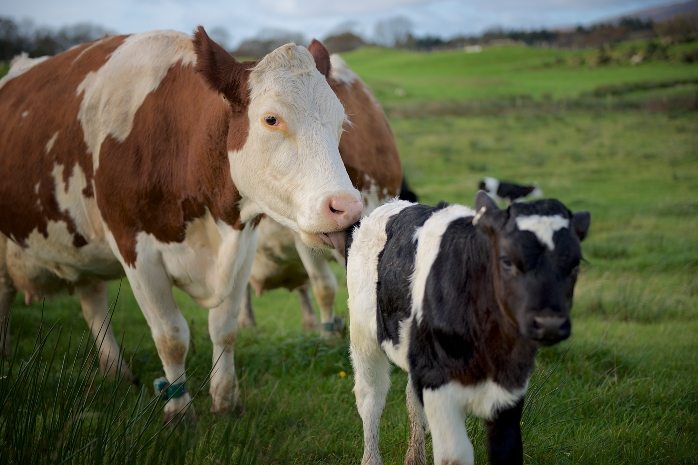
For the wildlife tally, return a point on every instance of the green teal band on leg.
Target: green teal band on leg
(166, 390)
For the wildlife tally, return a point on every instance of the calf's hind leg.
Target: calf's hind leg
(415, 450)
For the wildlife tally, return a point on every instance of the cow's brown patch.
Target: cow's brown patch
(171, 350)
(34, 107)
(175, 161)
(367, 146)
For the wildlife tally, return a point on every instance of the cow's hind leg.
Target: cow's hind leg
(7, 296)
(415, 450)
(246, 319)
(371, 384)
(307, 310)
(95, 309)
(324, 284)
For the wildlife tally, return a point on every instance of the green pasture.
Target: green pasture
(622, 390)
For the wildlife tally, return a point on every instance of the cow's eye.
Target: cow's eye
(506, 262)
(271, 120)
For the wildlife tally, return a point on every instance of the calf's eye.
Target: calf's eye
(506, 262)
(271, 120)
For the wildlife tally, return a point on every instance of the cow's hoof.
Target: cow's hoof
(334, 328)
(235, 409)
(187, 416)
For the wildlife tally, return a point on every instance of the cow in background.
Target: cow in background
(155, 155)
(370, 155)
(508, 191)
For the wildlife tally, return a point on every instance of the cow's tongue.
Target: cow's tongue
(336, 240)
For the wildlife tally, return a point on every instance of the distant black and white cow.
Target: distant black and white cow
(508, 191)
(461, 302)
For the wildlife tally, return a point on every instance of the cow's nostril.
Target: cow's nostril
(334, 210)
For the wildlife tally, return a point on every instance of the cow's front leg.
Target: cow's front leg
(222, 326)
(153, 291)
(95, 304)
(504, 436)
(324, 284)
(444, 412)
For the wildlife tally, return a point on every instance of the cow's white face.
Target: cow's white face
(289, 166)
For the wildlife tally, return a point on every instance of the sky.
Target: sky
(317, 18)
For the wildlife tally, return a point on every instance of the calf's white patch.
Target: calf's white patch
(543, 227)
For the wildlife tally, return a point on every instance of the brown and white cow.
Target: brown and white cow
(154, 155)
(371, 157)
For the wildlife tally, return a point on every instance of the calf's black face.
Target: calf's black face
(535, 251)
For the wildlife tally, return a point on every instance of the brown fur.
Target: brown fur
(321, 56)
(367, 147)
(52, 105)
(195, 176)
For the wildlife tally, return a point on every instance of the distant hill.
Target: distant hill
(663, 12)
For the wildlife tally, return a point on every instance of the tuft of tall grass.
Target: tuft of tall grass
(57, 409)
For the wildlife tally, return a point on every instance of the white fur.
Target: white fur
(340, 71)
(371, 366)
(19, 65)
(445, 409)
(362, 267)
(304, 161)
(112, 95)
(491, 184)
(51, 141)
(543, 227)
(428, 239)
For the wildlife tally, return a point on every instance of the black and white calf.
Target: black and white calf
(509, 191)
(461, 302)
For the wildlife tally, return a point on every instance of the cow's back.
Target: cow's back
(96, 143)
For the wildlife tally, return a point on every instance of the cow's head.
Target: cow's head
(535, 250)
(283, 138)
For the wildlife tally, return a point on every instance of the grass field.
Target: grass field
(622, 390)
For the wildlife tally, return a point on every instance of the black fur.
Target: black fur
(462, 335)
(509, 190)
(395, 266)
(406, 192)
(504, 436)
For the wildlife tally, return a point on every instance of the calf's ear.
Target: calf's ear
(488, 214)
(321, 56)
(581, 222)
(220, 70)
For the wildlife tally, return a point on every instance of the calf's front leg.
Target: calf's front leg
(504, 436)
(444, 412)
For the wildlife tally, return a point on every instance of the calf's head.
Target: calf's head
(283, 138)
(535, 252)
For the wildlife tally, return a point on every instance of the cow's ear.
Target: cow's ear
(222, 72)
(321, 56)
(488, 215)
(581, 222)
